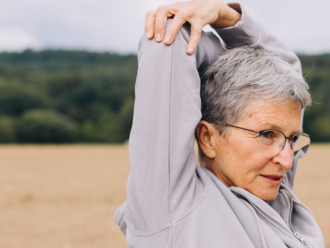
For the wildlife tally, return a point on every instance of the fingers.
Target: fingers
(176, 24)
(195, 35)
(149, 25)
(160, 23)
(155, 24)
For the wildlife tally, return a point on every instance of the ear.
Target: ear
(206, 134)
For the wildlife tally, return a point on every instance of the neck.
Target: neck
(215, 168)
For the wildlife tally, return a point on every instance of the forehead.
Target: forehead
(284, 116)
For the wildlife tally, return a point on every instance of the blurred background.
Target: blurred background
(67, 74)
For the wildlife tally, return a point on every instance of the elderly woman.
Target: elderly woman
(246, 114)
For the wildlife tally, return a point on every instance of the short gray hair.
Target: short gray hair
(245, 74)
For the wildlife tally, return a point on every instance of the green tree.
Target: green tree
(7, 130)
(15, 99)
(45, 126)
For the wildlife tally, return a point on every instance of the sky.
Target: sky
(116, 26)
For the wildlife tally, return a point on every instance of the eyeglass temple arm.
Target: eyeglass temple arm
(250, 130)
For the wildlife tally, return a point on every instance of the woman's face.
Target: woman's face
(239, 161)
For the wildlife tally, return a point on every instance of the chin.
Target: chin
(268, 195)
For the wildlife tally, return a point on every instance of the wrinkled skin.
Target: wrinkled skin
(236, 158)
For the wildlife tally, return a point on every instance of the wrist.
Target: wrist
(228, 16)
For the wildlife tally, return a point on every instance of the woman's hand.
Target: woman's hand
(198, 13)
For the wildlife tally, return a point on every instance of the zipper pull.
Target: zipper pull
(298, 236)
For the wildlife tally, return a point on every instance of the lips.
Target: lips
(273, 179)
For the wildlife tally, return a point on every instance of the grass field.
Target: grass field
(65, 196)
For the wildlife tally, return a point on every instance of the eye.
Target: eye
(295, 138)
(268, 134)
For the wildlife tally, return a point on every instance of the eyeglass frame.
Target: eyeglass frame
(260, 132)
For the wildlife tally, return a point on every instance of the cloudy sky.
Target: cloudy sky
(108, 25)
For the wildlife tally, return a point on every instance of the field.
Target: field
(65, 196)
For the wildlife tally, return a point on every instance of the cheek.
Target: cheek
(250, 161)
(245, 149)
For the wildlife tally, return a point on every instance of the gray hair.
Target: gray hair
(243, 75)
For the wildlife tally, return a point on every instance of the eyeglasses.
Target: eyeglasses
(272, 141)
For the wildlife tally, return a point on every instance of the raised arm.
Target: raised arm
(163, 180)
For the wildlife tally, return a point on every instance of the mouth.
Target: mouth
(273, 179)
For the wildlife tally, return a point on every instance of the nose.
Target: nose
(284, 157)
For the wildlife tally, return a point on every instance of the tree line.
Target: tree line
(56, 96)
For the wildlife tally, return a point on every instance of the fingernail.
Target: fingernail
(190, 50)
(167, 39)
(158, 37)
(148, 34)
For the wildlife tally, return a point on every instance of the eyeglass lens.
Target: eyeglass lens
(302, 144)
(271, 142)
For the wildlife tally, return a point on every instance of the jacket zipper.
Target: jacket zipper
(295, 234)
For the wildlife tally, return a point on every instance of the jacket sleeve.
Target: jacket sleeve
(163, 180)
(249, 32)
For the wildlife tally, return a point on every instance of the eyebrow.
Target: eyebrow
(297, 131)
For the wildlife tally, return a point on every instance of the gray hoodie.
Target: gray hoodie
(171, 201)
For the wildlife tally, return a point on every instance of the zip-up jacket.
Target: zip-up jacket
(171, 201)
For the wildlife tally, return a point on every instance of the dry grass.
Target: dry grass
(65, 196)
